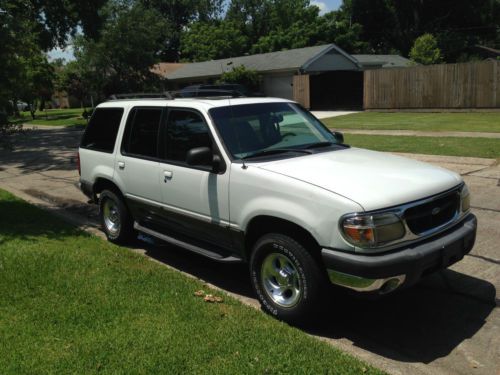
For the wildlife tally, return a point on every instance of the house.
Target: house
(319, 77)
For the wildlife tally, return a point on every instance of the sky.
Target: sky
(327, 5)
(67, 53)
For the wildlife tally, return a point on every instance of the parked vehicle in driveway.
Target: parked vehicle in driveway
(262, 181)
(215, 90)
(21, 106)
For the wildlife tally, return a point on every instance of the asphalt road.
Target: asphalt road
(447, 324)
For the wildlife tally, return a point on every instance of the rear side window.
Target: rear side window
(102, 129)
(141, 134)
(185, 130)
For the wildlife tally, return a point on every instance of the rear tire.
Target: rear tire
(115, 218)
(287, 279)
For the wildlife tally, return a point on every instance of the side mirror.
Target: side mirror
(204, 156)
(199, 156)
(338, 136)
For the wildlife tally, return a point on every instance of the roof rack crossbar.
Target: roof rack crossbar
(209, 93)
(143, 95)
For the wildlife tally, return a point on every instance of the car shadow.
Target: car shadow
(232, 277)
(418, 324)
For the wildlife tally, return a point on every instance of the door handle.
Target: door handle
(167, 175)
(121, 165)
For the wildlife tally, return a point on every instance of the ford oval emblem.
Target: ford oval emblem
(436, 210)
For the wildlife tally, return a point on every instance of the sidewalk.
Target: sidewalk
(417, 133)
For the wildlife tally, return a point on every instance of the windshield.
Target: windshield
(253, 128)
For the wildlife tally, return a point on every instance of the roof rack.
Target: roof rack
(143, 95)
(207, 94)
(171, 95)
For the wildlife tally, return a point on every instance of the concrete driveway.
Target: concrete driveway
(447, 324)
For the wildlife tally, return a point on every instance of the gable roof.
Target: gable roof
(293, 59)
(327, 57)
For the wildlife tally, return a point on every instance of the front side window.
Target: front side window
(255, 128)
(102, 129)
(185, 130)
(141, 134)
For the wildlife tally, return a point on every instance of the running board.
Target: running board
(187, 246)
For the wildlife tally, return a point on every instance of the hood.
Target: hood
(375, 180)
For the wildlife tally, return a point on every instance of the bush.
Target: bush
(425, 50)
(243, 76)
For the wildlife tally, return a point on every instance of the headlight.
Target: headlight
(372, 230)
(465, 198)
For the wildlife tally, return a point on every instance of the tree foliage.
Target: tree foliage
(213, 40)
(393, 25)
(177, 14)
(120, 61)
(240, 74)
(425, 50)
(259, 26)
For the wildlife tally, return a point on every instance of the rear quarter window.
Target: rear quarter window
(102, 129)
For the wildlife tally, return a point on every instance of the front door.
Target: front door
(195, 199)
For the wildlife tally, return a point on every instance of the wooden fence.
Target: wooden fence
(301, 92)
(467, 85)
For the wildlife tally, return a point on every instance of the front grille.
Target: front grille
(432, 214)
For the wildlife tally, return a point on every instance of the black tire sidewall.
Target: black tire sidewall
(124, 232)
(310, 275)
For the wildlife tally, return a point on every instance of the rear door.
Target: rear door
(137, 163)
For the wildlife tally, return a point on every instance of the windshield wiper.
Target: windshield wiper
(319, 144)
(275, 151)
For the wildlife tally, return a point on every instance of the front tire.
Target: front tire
(115, 217)
(287, 279)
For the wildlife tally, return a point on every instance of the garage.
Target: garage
(279, 86)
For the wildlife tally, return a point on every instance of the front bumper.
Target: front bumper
(403, 266)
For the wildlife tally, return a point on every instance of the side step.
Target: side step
(193, 248)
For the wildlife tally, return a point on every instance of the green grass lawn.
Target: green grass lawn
(73, 303)
(453, 146)
(464, 122)
(54, 117)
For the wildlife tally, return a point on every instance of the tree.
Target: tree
(76, 80)
(425, 50)
(336, 28)
(177, 15)
(391, 26)
(120, 61)
(204, 41)
(260, 18)
(243, 76)
(35, 85)
(259, 26)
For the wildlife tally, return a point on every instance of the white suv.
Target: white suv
(261, 180)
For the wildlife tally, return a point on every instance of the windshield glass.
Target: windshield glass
(252, 128)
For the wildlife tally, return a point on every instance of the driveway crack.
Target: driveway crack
(486, 259)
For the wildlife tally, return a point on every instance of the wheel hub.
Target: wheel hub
(280, 279)
(111, 216)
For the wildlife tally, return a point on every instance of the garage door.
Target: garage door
(279, 86)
